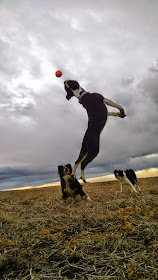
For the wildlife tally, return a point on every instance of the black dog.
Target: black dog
(70, 186)
(127, 177)
(94, 103)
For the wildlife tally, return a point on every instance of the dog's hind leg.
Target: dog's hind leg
(83, 176)
(133, 188)
(138, 187)
(82, 156)
(93, 150)
(90, 156)
(77, 163)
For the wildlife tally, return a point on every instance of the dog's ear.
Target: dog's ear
(69, 167)
(121, 173)
(60, 170)
(115, 171)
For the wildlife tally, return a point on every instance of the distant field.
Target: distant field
(113, 237)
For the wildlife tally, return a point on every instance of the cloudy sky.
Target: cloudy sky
(110, 47)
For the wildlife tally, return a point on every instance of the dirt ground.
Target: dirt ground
(115, 236)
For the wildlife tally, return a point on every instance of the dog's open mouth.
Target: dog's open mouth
(69, 93)
(68, 90)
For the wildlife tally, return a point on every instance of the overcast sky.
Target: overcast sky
(110, 47)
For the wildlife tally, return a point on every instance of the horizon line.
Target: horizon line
(105, 178)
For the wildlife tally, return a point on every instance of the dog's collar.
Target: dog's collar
(82, 93)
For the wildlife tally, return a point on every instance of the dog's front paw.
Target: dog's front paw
(122, 114)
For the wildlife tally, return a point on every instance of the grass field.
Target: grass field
(113, 237)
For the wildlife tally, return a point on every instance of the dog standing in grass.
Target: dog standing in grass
(95, 105)
(127, 177)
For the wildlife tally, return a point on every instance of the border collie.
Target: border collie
(69, 184)
(95, 105)
(127, 177)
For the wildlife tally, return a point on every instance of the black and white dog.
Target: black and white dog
(127, 177)
(69, 184)
(95, 105)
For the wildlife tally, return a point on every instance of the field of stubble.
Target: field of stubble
(113, 237)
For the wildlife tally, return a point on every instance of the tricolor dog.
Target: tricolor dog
(127, 177)
(95, 105)
(69, 184)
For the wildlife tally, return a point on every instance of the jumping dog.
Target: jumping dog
(95, 105)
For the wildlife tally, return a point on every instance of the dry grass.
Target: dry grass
(113, 237)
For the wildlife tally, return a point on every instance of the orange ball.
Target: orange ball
(58, 73)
